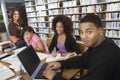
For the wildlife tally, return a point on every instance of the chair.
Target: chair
(81, 46)
(82, 49)
(48, 42)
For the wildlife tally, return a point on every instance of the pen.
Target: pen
(51, 66)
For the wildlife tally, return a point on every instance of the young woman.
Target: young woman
(63, 40)
(31, 38)
(15, 29)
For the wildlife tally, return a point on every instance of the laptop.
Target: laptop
(32, 63)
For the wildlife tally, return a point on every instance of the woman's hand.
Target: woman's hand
(64, 55)
(54, 53)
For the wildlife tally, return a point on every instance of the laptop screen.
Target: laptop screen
(29, 59)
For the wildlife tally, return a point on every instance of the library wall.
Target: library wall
(41, 12)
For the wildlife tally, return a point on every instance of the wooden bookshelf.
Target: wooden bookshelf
(76, 9)
(111, 29)
(111, 20)
(99, 3)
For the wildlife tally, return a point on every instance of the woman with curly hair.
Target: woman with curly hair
(14, 27)
(63, 40)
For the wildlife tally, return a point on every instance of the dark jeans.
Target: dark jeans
(20, 43)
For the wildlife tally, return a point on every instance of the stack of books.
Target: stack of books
(5, 46)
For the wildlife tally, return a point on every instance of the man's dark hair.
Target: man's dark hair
(67, 24)
(93, 18)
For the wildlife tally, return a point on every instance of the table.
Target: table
(67, 73)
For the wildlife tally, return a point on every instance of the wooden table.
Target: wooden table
(67, 73)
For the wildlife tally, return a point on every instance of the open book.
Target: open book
(5, 72)
(42, 56)
(59, 57)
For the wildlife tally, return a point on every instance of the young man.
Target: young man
(102, 59)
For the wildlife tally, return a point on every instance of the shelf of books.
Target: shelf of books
(41, 12)
(35, 16)
(110, 15)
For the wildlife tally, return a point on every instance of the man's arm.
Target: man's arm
(58, 77)
(52, 75)
(75, 62)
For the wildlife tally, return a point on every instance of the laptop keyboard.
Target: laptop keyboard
(39, 75)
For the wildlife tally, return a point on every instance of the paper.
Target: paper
(4, 55)
(16, 67)
(17, 78)
(42, 55)
(14, 61)
(59, 57)
(16, 51)
(5, 72)
(11, 59)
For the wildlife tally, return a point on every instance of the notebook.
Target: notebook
(32, 63)
(2, 56)
(5, 72)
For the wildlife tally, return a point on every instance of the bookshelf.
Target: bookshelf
(36, 17)
(31, 13)
(110, 15)
(41, 12)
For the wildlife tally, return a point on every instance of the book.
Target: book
(5, 72)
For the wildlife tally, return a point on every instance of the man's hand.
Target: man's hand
(49, 74)
(53, 65)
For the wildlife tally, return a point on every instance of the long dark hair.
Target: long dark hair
(12, 14)
(29, 29)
